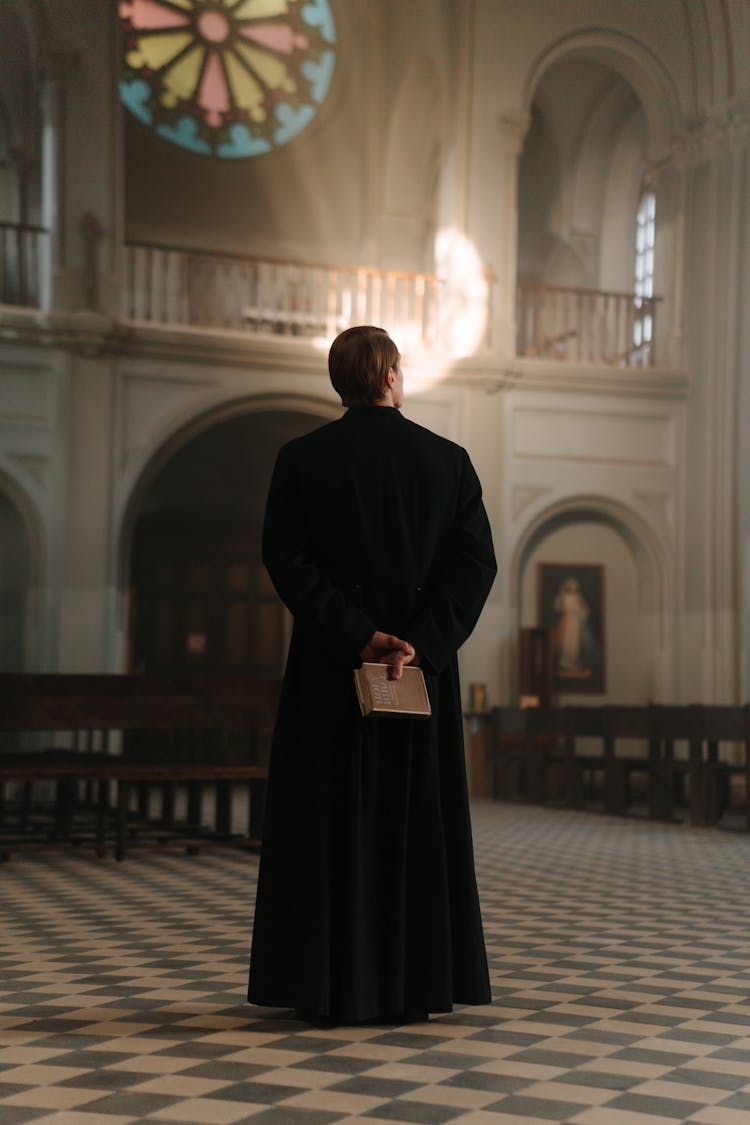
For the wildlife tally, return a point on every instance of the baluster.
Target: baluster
(34, 240)
(361, 297)
(331, 302)
(170, 285)
(539, 339)
(390, 299)
(418, 307)
(139, 287)
(529, 299)
(158, 281)
(629, 338)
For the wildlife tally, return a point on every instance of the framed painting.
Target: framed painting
(570, 603)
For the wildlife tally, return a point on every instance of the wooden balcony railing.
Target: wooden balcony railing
(585, 325)
(165, 285)
(20, 252)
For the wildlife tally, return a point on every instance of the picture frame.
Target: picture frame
(570, 604)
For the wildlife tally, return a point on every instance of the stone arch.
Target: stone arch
(256, 404)
(655, 593)
(178, 440)
(635, 63)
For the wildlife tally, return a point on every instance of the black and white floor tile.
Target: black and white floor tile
(620, 961)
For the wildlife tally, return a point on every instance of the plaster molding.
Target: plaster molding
(523, 496)
(725, 129)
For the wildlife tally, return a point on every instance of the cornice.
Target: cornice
(555, 376)
(90, 334)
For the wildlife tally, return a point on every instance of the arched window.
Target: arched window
(227, 78)
(643, 321)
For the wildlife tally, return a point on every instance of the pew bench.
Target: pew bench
(536, 755)
(128, 734)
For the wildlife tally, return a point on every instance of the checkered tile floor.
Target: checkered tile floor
(620, 960)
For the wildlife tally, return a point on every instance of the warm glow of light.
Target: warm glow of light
(463, 296)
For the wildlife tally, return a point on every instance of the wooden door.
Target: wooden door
(209, 608)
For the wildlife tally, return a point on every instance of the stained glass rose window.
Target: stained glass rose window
(230, 78)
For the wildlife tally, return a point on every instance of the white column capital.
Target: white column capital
(725, 129)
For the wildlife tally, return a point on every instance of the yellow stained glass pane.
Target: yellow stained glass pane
(260, 9)
(270, 70)
(182, 78)
(157, 50)
(247, 92)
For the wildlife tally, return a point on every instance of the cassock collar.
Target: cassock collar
(379, 412)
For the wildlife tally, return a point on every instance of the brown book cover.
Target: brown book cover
(378, 694)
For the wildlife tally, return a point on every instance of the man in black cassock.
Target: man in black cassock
(377, 540)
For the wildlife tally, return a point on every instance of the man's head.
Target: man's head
(364, 365)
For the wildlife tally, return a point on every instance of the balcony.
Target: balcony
(168, 286)
(585, 326)
(171, 287)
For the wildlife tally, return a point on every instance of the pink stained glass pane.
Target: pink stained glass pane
(214, 95)
(150, 14)
(279, 37)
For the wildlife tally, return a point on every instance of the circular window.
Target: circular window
(228, 78)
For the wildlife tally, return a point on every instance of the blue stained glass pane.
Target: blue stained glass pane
(133, 94)
(242, 143)
(185, 133)
(318, 14)
(291, 121)
(319, 74)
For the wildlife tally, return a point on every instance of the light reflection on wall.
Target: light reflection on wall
(464, 294)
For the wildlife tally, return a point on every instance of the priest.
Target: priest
(377, 540)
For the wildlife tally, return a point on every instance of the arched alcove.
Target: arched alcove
(199, 596)
(630, 59)
(15, 567)
(587, 532)
(586, 123)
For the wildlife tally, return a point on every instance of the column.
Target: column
(57, 64)
(717, 505)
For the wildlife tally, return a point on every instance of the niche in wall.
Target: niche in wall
(579, 174)
(630, 637)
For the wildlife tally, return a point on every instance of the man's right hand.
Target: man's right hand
(384, 648)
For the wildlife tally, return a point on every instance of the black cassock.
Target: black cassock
(367, 902)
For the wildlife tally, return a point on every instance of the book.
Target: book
(378, 694)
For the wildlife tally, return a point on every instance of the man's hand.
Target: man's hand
(384, 648)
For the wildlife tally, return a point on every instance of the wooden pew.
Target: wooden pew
(147, 730)
(528, 749)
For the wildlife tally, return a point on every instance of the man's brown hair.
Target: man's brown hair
(359, 362)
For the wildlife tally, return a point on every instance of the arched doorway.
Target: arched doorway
(200, 597)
